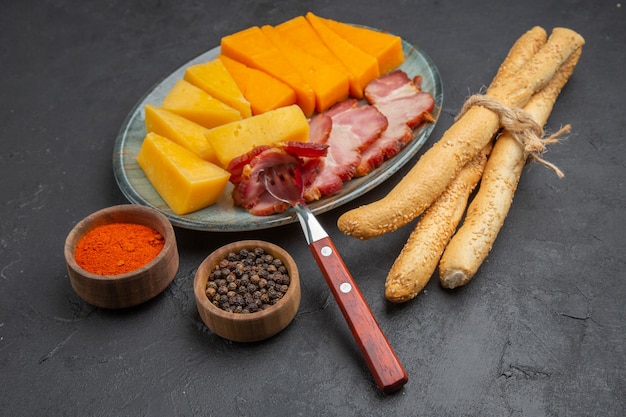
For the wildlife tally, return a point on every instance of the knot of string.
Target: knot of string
(521, 126)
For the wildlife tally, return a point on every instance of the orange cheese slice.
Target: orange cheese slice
(386, 48)
(252, 48)
(299, 31)
(329, 85)
(263, 91)
(362, 65)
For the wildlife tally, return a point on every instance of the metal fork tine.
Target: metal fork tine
(284, 173)
(280, 173)
(280, 182)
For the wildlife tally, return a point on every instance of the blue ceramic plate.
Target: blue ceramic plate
(224, 216)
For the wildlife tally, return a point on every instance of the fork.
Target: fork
(284, 182)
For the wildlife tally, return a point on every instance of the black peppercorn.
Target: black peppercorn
(248, 281)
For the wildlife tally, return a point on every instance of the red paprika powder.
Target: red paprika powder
(117, 248)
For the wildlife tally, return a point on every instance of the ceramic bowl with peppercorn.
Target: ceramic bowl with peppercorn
(247, 291)
(121, 256)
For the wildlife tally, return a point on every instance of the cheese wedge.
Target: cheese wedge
(299, 31)
(252, 48)
(281, 125)
(191, 102)
(362, 65)
(386, 48)
(214, 79)
(185, 181)
(183, 131)
(263, 91)
(329, 85)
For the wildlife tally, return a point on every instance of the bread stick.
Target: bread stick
(471, 244)
(432, 173)
(420, 255)
(520, 53)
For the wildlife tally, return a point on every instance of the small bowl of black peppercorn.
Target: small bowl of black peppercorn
(247, 291)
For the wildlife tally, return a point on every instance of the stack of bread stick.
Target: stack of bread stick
(475, 149)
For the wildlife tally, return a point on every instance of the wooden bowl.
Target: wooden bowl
(249, 327)
(131, 288)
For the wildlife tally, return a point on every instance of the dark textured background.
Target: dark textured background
(540, 331)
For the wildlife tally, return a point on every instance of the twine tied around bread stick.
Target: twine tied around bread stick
(522, 127)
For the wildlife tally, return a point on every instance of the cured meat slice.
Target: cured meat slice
(352, 131)
(236, 166)
(405, 106)
(305, 149)
(325, 182)
(250, 192)
(400, 98)
(319, 128)
(397, 135)
(396, 84)
(341, 107)
(354, 128)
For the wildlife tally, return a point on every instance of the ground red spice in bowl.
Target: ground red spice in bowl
(117, 248)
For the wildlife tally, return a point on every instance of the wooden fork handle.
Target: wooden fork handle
(382, 361)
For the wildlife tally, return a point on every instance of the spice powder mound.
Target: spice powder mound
(117, 248)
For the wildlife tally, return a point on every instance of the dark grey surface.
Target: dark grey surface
(540, 331)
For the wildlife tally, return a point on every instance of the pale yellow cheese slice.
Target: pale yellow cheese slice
(214, 78)
(185, 181)
(284, 124)
(193, 103)
(183, 131)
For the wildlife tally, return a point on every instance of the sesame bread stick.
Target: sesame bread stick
(420, 255)
(471, 244)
